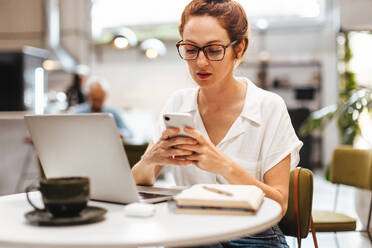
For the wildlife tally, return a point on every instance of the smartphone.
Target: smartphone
(179, 120)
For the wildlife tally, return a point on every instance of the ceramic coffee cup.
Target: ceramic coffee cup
(62, 196)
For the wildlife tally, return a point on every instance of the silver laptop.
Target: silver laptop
(89, 145)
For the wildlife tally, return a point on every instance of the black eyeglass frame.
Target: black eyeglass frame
(179, 43)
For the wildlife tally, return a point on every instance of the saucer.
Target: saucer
(87, 215)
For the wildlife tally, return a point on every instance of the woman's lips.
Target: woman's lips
(203, 75)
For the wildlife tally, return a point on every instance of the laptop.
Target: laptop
(89, 145)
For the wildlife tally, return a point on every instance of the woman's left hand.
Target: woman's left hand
(205, 154)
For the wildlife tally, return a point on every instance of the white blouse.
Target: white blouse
(259, 138)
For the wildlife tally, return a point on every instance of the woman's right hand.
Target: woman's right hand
(164, 151)
(161, 153)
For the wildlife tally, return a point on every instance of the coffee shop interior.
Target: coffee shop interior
(315, 54)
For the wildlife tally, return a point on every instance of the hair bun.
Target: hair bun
(218, 1)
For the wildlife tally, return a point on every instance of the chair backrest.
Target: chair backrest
(305, 202)
(352, 167)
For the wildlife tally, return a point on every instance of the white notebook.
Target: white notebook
(219, 199)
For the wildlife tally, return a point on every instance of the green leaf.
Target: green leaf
(317, 119)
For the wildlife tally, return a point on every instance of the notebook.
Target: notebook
(219, 199)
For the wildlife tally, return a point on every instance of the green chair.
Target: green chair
(134, 152)
(351, 167)
(297, 220)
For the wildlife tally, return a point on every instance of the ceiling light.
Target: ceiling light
(124, 38)
(52, 65)
(151, 53)
(121, 42)
(153, 48)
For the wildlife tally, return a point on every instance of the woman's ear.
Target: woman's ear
(239, 48)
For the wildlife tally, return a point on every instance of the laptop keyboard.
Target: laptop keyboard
(145, 195)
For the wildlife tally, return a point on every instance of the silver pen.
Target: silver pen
(218, 191)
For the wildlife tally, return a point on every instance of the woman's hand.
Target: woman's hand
(165, 151)
(162, 153)
(205, 154)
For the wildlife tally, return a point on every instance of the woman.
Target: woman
(242, 135)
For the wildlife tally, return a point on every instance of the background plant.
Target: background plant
(353, 100)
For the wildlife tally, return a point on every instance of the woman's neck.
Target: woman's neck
(231, 91)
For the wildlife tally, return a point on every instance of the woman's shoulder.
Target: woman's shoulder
(264, 97)
(272, 99)
(272, 107)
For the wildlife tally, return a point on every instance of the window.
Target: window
(360, 63)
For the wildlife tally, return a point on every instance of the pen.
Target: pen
(222, 192)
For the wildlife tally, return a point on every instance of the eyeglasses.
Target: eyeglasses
(212, 52)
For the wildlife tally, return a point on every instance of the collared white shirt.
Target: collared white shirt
(260, 137)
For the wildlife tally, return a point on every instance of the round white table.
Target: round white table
(165, 228)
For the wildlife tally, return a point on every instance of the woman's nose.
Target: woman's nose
(202, 60)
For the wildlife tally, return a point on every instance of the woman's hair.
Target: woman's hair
(229, 14)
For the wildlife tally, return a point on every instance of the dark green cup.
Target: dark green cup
(62, 196)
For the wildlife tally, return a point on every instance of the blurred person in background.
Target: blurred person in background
(74, 92)
(96, 89)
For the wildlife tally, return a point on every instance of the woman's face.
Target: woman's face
(202, 31)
